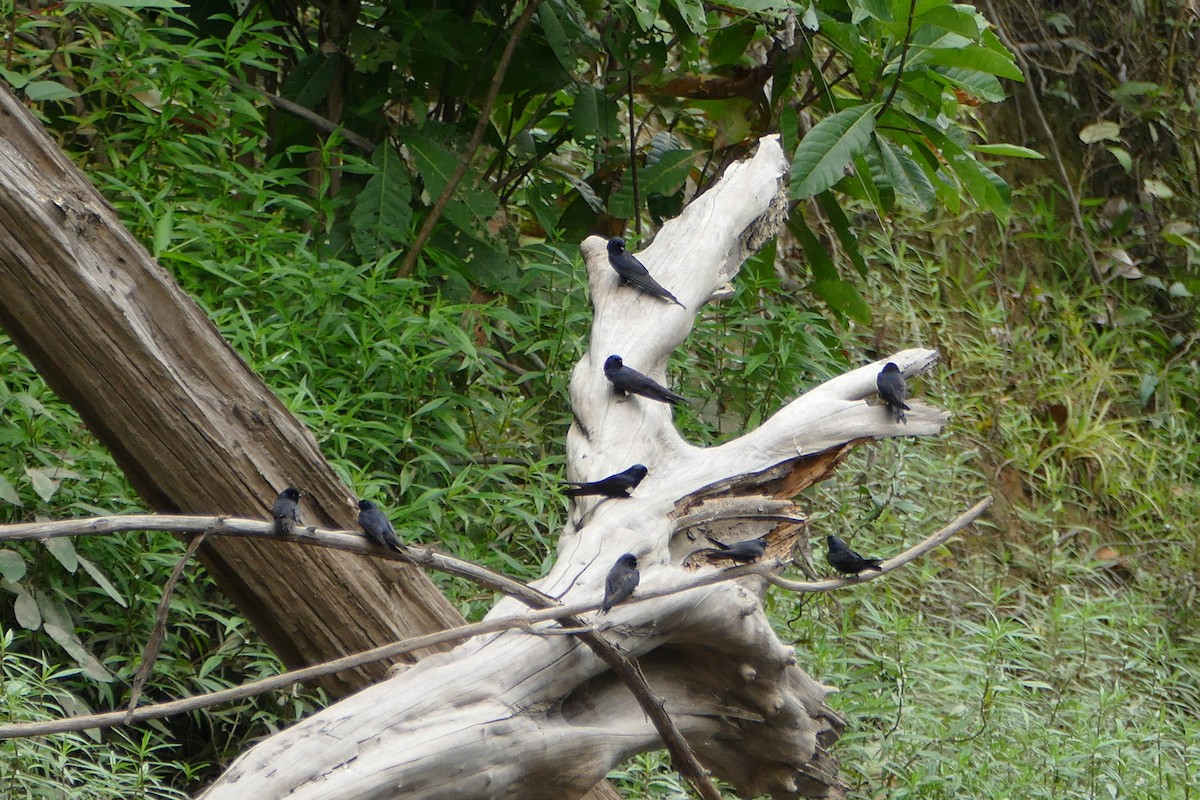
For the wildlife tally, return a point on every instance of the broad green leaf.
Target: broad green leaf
(556, 37)
(842, 298)
(42, 483)
(1122, 156)
(164, 231)
(472, 203)
(907, 179)
(952, 18)
(1010, 150)
(819, 262)
(25, 609)
(69, 642)
(12, 565)
(665, 177)
(594, 114)
(729, 43)
(861, 10)
(977, 58)
(382, 211)
(8, 493)
(827, 149)
(979, 84)
(692, 13)
(63, 550)
(102, 581)
(48, 91)
(163, 4)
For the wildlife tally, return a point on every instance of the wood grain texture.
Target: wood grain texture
(187, 420)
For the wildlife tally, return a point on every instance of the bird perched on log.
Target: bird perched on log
(739, 552)
(845, 560)
(892, 391)
(633, 271)
(631, 381)
(286, 512)
(377, 526)
(621, 581)
(618, 485)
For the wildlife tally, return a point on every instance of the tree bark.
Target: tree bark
(191, 425)
(516, 715)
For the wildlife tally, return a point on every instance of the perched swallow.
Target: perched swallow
(619, 485)
(621, 581)
(893, 391)
(631, 381)
(377, 525)
(286, 512)
(633, 271)
(845, 560)
(739, 552)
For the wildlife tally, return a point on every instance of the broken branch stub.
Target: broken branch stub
(514, 715)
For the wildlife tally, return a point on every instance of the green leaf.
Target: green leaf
(827, 149)
(8, 493)
(977, 58)
(12, 565)
(64, 551)
(905, 176)
(472, 203)
(69, 642)
(692, 13)
(25, 609)
(102, 581)
(665, 177)
(1101, 131)
(844, 299)
(1122, 157)
(556, 37)
(1010, 150)
(42, 483)
(382, 211)
(729, 43)
(845, 234)
(952, 18)
(48, 91)
(164, 230)
(819, 262)
(979, 84)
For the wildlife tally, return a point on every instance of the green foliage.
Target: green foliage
(1025, 660)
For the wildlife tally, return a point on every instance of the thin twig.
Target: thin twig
(912, 10)
(154, 643)
(460, 171)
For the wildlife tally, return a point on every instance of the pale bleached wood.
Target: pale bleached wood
(511, 715)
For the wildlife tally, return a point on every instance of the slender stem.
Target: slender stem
(460, 171)
(912, 10)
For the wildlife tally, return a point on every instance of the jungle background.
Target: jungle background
(1050, 653)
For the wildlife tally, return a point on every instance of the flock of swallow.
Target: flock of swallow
(623, 578)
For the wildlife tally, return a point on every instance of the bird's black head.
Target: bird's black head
(890, 367)
(613, 362)
(833, 541)
(365, 505)
(616, 245)
(639, 470)
(290, 493)
(628, 560)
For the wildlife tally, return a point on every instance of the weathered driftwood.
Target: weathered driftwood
(520, 716)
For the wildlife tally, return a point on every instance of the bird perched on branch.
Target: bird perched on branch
(286, 512)
(845, 560)
(633, 271)
(631, 381)
(377, 526)
(739, 552)
(618, 485)
(892, 391)
(621, 581)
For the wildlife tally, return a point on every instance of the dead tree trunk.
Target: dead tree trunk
(516, 715)
(191, 425)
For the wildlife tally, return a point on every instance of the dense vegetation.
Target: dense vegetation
(1049, 654)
